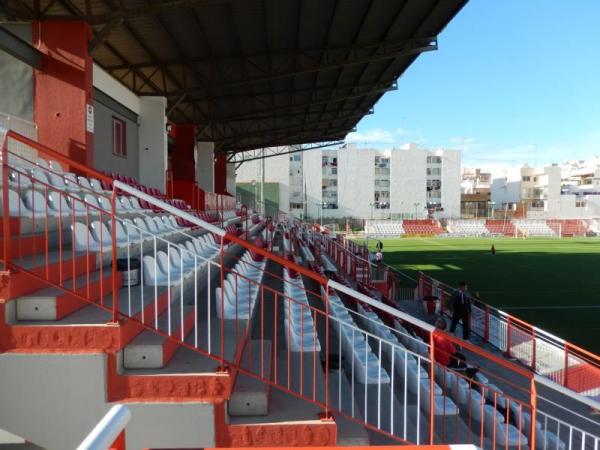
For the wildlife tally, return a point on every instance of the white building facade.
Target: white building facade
(364, 183)
(558, 191)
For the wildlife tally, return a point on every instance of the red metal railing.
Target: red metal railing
(332, 346)
(560, 361)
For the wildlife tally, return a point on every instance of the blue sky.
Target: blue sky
(512, 81)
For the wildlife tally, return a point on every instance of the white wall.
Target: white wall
(407, 182)
(205, 165)
(312, 175)
(230, 183)
(356, 183)
(114, 88)
(153, 142)
(451, 179)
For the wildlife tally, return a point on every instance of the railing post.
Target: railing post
(222, 285)
(508, 336)
(533, 351)
(327, 416)
(566, 371)
(487, 323)
(114, 273)
(5, 206)
(533, 401)
(431, 386)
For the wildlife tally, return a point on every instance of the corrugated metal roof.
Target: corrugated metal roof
(257, 73)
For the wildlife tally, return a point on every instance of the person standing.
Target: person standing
(461, 310)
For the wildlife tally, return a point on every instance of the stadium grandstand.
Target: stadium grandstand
(142, 306)
(483, 228)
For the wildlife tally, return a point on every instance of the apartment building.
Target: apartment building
(561, 191)
(404, 182)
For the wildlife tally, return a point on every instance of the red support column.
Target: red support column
(183, 167)
(63, 89)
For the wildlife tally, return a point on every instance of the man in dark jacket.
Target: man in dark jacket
(461, 310)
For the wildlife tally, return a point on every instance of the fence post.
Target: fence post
(327, 416)
(431, 386)
(533, 401)
(114, 273)
(508, 336)
(533, 352)
(5, 206)
(487, 323)
(566, 374)
(222, 285)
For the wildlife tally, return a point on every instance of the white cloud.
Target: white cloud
(374, 135)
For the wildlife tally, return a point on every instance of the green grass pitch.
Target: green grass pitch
(549, 282)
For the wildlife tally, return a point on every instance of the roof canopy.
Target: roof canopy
(256, 73)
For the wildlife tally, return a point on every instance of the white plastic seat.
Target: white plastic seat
(37, 204)
(125, 204)
(172, 272)
(20, 179)
(42, 162)
(104, 203)
(71, 182)
(54, 180)
(76, 204)
(100, 233)
(83, 239)
(142, 225)
(120, 233)
(93, 202)
(505, 434)
(132, 230)
(58, 204)
(181, 260)
(153, 274)
(85, 183)
(96, 185)
(16, 207)
(546, 440)
(151, 225)
(39, 176)
(160, 225)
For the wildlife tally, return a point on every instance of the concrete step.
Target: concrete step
(54, 303)
(150, 350)
(33, 273)
(250, 396)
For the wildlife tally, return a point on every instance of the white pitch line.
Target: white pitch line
(550, 307)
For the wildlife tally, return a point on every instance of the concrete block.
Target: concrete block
(250, 395)
(41, 307)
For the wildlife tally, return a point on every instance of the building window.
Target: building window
(526, 178)
(119, 137)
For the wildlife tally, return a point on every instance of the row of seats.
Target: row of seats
(241, 287)
(533, 227)
(366, 366)
(300, 331)
(179, 262)
(99, 235)
(504, 227)
(389, 228)
(468, 227)
(479, 400)
(406, 351)
(33, 203)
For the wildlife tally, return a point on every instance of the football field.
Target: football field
(549, 282)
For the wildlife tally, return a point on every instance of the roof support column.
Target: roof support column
(183, 164)
(153, 142)
(63, 106)
(220, 173)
